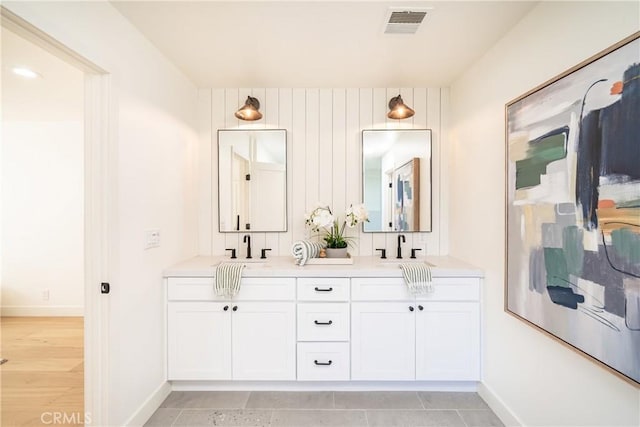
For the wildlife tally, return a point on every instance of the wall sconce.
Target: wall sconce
(397, 109)
(249, 111)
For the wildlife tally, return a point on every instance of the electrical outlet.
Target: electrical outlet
(45, 295)
(151, 239)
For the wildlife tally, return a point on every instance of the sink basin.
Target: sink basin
(396, 263)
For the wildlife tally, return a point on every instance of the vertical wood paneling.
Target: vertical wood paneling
(285, 121)
(205, 189)
(325, 147)
(324, 157)
(353, 158)
(339, 175)
(313, 148)
(444, 173)
(298, 166)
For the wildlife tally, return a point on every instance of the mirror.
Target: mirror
(396, 178)
(252, 180)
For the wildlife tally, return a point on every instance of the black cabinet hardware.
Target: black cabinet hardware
(105, 288)
(330, 322)
(323, 363)
(323, 290)
(411, 308)
(420, 308)
(226, 307)
(235, 308)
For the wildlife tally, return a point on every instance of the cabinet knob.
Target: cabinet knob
(323, 323)
(420, 308)
(411, 308)
(323, 363)
(226, 307)
(235, 308)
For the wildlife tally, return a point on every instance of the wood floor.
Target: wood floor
(43, 380)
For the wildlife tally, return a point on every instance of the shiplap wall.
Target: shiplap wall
(323, 159)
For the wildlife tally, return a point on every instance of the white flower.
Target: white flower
(322, 217)
(356, 214)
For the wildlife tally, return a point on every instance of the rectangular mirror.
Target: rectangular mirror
(252, 180)
(396, 179)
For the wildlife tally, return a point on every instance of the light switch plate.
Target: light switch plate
(151, 239)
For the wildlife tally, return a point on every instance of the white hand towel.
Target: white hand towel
(228, 275)
(417, 277)
(303, 250)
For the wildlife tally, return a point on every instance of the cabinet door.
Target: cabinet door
(199, 341)
(447, 341)
(264, 341)
(382, 341)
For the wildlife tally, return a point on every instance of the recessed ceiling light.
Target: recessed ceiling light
(25, 72)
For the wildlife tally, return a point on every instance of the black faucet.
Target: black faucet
(247, 240)
(400, 237)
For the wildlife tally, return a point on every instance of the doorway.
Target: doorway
(54, 235)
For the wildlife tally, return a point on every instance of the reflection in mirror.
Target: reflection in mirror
(396, 166)
(252, 180)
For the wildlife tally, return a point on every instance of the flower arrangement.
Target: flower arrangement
(322, 219)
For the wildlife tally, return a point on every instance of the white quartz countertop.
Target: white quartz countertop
(282, 266)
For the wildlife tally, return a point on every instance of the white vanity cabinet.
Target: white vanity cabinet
(432, 337)
(252, 337)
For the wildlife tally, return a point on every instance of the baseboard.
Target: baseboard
(149, 406)
(42, 311)
(325, 385)
(506, 415)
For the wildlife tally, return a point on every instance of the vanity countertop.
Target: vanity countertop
(284, 266)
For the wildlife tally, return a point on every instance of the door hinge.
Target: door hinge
(105, 288)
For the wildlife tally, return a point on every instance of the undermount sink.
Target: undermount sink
(395, 263)
(248, 263)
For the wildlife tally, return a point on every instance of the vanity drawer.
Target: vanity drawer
(323, 321)
(453, 289)
(251, 289)
(191, 289)
(323, 289)
(323, 361)
(379, 289)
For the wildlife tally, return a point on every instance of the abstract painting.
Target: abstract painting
(406, 209)
(573, 208)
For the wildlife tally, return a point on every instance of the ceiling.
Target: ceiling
(320, 43)
(57, 95)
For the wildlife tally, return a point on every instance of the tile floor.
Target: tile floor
(339, 408)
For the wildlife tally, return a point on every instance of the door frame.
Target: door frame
(98, 185)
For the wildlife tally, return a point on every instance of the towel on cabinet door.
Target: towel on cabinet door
(303, 250)
(228, 276)
(417, 276)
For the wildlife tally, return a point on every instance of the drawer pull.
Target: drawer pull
(323, 290)
(323, 363)
(323, 323)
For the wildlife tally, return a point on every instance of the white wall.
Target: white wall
(324, 158)
(154, 147)
(42, 218)
(541, 381)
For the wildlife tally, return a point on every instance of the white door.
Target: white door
(383, 341)
(268, 196)
(199, 341)
(264, 341)
(447, 341)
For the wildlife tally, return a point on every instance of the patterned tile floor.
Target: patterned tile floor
(325, 408)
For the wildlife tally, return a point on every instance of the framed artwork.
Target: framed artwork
(406, 188)
(573, 208)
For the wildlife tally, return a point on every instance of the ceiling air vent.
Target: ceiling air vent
(404, 21)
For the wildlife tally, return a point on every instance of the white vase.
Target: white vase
(336, 252)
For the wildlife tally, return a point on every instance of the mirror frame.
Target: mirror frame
(429, 150)
(286, 177)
